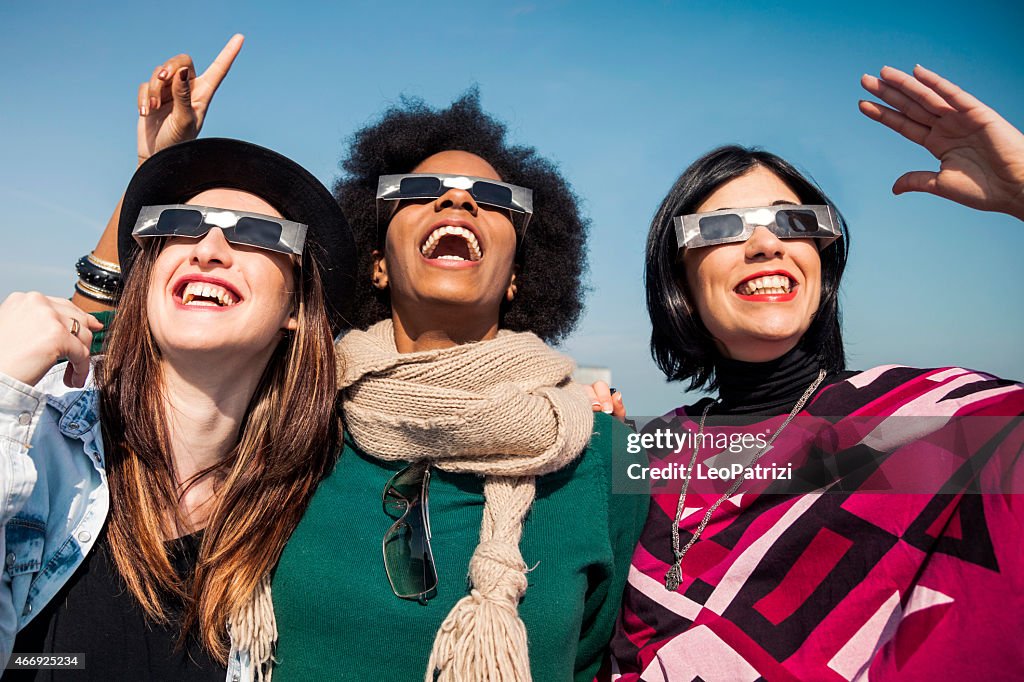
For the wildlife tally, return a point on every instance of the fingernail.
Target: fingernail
(596, 404)
(152, 102)
(617, 396)
(162, 75)
(142, 110)
(608, 409)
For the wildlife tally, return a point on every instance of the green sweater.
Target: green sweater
(337, 615)
(100, 337)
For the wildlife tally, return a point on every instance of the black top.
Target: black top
(763, 389)
(95, 614)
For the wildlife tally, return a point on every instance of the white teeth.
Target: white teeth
(475, 252)
(204, 294)
(770, 284)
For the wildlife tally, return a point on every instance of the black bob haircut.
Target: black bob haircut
(552, 257)
(681, 345)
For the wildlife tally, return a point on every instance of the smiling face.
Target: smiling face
(756, 298)
(209, 295)
(449, 251)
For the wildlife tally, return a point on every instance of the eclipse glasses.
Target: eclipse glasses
(518, 200)
(786, 221)
(239, 227)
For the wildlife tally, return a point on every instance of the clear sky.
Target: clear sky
(622, 95)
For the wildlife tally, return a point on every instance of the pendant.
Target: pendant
(673, 578)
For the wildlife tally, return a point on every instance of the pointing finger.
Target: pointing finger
(216, 72)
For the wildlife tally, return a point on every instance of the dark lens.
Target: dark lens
(721, 226)
(181, 221)
(256, 232)
(490, 193)
(407, 555)
(420, 187)
(797, 221)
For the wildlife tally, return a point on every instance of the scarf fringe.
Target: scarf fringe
(481, 640)
(254, 629)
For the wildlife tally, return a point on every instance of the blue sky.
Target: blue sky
(622, 96)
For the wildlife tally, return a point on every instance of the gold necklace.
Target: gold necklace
(674, 576)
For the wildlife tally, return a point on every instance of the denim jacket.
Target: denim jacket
(54, 497)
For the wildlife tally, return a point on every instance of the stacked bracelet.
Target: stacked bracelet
(98, 279)
(105, 264)
(94, 293)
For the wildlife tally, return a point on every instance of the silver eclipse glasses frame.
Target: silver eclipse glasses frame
(390, 188)
(689, 234)
(287, 237)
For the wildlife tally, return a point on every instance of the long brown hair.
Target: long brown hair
(286, 445)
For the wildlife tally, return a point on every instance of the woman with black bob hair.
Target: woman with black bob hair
(767, 552)
(680, 343)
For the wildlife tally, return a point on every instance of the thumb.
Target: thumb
(181, 90)
(917, 181)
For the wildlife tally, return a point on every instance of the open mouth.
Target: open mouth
(449, 242)
(206, 295)
(767, 284)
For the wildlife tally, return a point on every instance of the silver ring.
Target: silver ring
(75, 327)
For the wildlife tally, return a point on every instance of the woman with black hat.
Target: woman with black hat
(144, 511)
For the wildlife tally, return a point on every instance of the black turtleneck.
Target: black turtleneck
(766, 388)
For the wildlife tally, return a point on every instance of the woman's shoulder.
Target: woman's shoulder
(609, 440)
(605, 463)
(609, 450)
(910, 391)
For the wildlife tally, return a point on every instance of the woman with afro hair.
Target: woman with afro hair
(451, 395)
(468, 530)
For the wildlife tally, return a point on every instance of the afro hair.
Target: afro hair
(552, 257)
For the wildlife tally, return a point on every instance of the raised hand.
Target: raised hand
(38, 332)
(981, 156)
(174, 101)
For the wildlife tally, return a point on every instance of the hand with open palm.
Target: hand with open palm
(981, 156)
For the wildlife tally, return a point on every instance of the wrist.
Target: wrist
(98, 279)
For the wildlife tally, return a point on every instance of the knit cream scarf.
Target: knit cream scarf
(505, 409)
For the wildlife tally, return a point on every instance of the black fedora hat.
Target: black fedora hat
(180, 172)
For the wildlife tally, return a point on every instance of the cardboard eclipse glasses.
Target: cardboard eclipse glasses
(239, 227)
(493, 193)
(786, 221)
